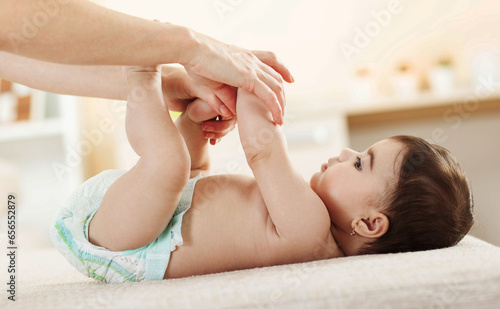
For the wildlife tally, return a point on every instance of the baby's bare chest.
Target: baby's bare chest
(230, 209)
(226, 228)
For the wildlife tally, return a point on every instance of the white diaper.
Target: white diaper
(69, 232)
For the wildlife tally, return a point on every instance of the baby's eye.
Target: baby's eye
(357, 164)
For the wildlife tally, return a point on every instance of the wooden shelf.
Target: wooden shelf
(28, 130)
(424, 106)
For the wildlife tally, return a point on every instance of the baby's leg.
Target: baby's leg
(139, 205)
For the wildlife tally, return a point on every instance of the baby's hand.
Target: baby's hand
(213, 126)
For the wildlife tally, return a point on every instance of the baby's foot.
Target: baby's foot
(199, 111)
(134, 74)
(144, 85)
(213, 125)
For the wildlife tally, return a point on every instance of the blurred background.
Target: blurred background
(364, 71)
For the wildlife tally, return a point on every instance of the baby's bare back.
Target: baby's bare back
(228, 228)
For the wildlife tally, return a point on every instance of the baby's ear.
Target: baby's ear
(374, 226)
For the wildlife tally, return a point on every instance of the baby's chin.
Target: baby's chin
(312, 179)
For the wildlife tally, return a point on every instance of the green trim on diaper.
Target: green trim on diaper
(91, 274)
(96, 276)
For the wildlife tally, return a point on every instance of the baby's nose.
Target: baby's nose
(345, 154)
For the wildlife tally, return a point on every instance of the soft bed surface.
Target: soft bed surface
(464, 276)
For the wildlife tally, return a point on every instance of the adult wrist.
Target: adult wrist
(186, 44)
(170, 78)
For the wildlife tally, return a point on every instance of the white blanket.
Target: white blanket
(464, 276)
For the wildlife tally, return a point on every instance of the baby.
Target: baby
(163, 219)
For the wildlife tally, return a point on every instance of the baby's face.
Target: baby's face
(348, 184)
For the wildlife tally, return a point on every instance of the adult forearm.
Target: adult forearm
(88, 81)
(81, 32)
(107, 82)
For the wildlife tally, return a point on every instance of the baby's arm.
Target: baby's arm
(296, 211)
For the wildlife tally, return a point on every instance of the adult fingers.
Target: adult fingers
(272, 60)
(227, 96)
(205, 89)
(277, 91)
(275, 82)
(266, 94)
(271, 71)
(220, 97)
(218, 100)
(277, 87)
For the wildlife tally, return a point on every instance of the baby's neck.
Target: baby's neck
(350, 245)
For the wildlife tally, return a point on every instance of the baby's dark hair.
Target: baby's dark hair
(430, 206)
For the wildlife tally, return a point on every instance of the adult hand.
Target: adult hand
(179, 89)
(213, 63)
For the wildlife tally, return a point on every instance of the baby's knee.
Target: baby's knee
(180, 170)
(173, 171)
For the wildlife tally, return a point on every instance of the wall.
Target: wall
(309, 35)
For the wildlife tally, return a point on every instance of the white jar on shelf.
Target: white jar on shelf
(8, 107)
(361, 86)
(442, 77)
(442, 81)
(21, 90)
(405, 82)
(485, 66)
(405, 86)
